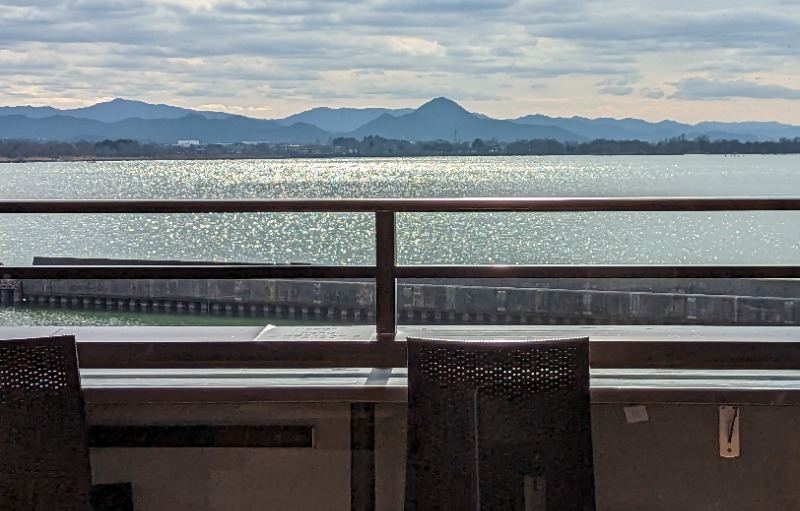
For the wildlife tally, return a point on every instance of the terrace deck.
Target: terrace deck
(376, 385)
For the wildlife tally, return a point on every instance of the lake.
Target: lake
(453, 238)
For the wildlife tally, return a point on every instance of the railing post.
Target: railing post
(385, 283)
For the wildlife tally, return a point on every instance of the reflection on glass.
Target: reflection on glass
(767, 237)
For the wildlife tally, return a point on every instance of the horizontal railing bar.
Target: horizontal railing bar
(188, 271)
(710, 355)
(257, 354)
(234, 271)
(598, 271)
(604, 354)
(695, 396)
(463, 204)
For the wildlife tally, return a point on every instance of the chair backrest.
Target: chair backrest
(500, 425)
(44, 456)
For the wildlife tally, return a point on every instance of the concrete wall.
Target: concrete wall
(668, 463)
(230, 479)
(671, 462)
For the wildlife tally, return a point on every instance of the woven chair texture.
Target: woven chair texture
(44, 457)
(499, 425)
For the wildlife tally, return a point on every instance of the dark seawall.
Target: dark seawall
(421, 302)
(524, 301)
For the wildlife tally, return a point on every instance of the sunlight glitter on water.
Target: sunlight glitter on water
(24, 316)
(459, 238)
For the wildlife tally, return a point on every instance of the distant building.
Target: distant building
(188, 143)
(293, 149)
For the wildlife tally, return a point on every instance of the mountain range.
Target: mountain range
(438, 119)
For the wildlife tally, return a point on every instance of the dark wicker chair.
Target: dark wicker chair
(44, 457)
(499, 425)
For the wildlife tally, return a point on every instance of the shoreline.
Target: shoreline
(86, 159)
(83, 159)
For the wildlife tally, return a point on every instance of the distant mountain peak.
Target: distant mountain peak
(341, 120)
(441, 106)
(123, 101)
(119, 109)
(441, 100)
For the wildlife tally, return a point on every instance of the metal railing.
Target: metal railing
(385, 352)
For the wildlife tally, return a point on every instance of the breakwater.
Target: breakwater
(526, 301)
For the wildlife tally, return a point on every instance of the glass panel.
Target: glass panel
(576, 301)
(769, 237)
(176, 302)
(313, 238)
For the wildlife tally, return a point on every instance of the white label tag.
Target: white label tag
(636, 414)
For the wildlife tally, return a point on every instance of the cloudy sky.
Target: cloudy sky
(690, 61)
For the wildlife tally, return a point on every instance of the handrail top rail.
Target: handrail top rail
(367, 205)
(322, 272)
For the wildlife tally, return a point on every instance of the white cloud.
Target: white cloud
(415, 47)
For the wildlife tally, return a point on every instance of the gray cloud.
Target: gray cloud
(649, 93)
(618, 81)
(617, 90)
(617, 86)
(726, 24)
(702, 88)
(445, 6)
(252, 52)
(730, 67)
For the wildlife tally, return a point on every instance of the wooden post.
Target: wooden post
(385, 282)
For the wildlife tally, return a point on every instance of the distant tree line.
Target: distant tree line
(23, 150)
(33, 149)
(377, 146)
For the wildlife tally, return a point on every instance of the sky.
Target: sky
(690, 61)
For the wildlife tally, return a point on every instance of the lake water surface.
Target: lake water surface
(454, 238)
